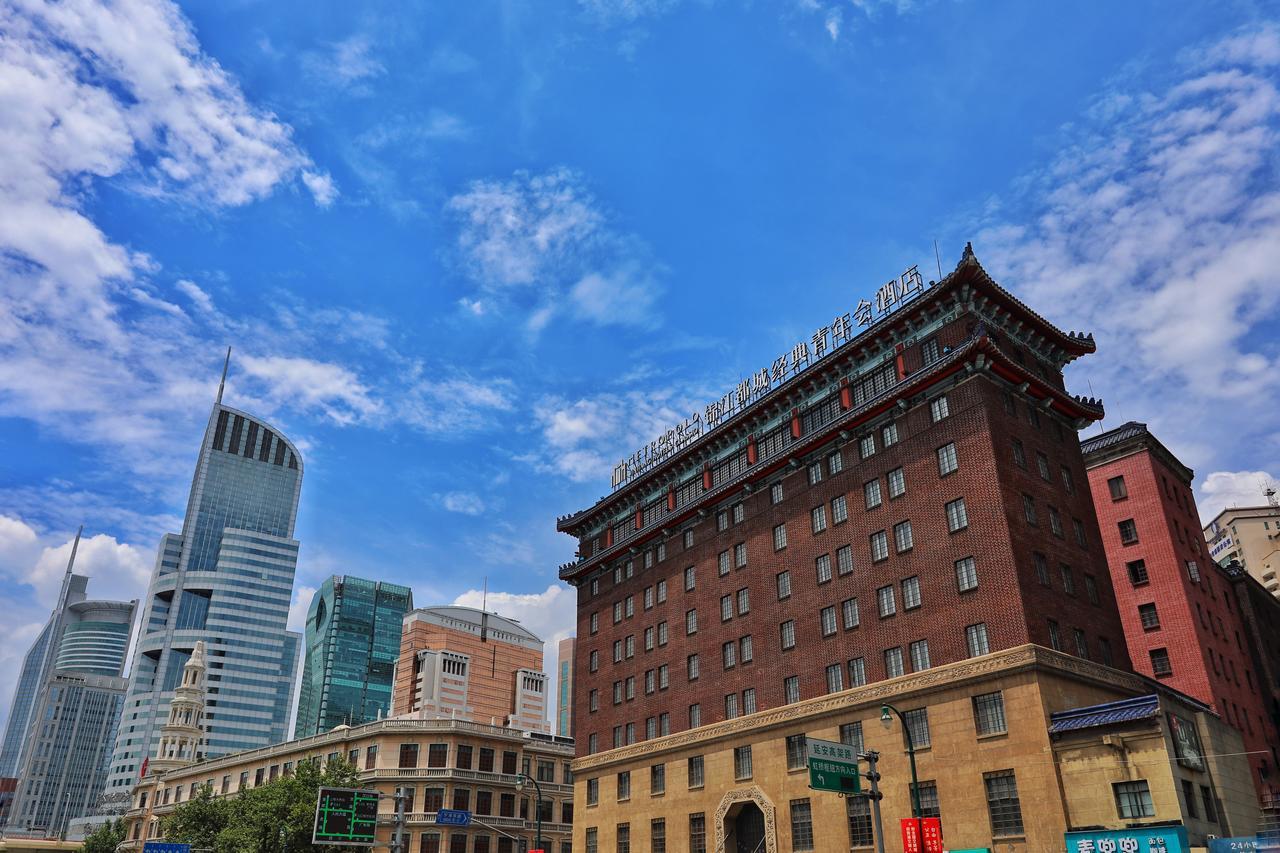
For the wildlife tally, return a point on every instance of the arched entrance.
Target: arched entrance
(745, 823)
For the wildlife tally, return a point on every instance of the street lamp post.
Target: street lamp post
(911, 754)
(521, 778)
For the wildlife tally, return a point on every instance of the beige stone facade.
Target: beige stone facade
(443, 763)
(1251, 537)
(990, 775)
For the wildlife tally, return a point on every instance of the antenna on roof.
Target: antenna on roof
(1270, 493)
(223, 381)
(937, 257)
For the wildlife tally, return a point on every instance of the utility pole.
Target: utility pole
(873, 776)
(397, 838)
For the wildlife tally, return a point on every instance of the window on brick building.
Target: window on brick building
(1019, 454)
(775, 493)
(722, 520)
(784, 585)
(975, 637)
(919, 655)
(871, 493)
(1082, 644)
(780, 537)
(691, 622)
(911, 593)
(729, 654)
(948, 461)
(902, 537)
(835, 463)
(1055, 522)
(889, 435)
(1078, 526)
(857, 672)
(1068, 579)
(897, 480)
(817, 519)
(743, 599)
(1133, 799)
(815, 473)
(726, 608)
(849, 613)
(787, 633)
(1055, 636)
(827, 618)
(938, 408)
(691, 665)
(749, 700)
(839, 510)
(893, 662)
(1137, 572)
(690, 579)
(928, 354)
(1042, 465)
(867, 446)
(1041, 563)
(695, 715)
(1104, 651)
(1091, 589)
(1193, 571)
(1068, 482)
(661, 588)
(1128, 531)
(957, 515)
(740, 555)
(885, 601)
(688, 538)
(1160, 664)
(966, 574)
(1117, 488)
(844, 560)
(722, 563)
(823, 567)
(791, 689)
(730, 706)
(739, 513)
(835, 678)
(1029, 510)
(879, 546)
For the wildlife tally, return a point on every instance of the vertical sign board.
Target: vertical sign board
(833, 766)
(931, 834)
(1150, 839)
(346, 816)
(910, 835)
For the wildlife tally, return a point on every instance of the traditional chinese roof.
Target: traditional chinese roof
(1108, 714)
(1124, 440)
(969, 286)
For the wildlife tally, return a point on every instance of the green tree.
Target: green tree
(271, 818)
(105, 838)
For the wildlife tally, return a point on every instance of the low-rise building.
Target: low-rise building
(440, 763)
(988, 762)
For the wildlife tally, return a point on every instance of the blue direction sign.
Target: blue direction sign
(453, 817)
(165, 847)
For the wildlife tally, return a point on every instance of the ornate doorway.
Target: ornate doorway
(745, 823)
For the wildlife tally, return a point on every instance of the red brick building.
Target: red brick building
(1184, 624)
(886, 502)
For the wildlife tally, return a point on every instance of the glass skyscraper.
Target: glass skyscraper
(226, 579)
(66, 708)
(353, 641)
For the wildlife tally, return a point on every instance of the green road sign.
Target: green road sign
(833, 767)
(345, 816)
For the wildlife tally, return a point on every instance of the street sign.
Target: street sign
(165, 847)
(346, 816)
(931, 834)
(1240, 844)
(833, 766)
(453, 817)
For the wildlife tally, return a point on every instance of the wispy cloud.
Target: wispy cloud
(466, 503)
(542, 242)
(348, 64)
(1158, 227)
(1225, 489)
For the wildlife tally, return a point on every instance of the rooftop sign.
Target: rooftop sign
(795, 361)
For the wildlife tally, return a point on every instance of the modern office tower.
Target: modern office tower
(36, 667)
(899, 496)
(462, 662)
(73, 712)
(1181, 622)
(352, 641)
(226, 579)
(1250, 536)
(564, 688)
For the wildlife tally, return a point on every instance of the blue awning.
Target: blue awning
(1110, 713)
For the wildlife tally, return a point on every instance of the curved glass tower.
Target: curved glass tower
(227, 580)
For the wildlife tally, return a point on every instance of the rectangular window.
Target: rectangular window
(823, 566)
(957, 515)
(1117, 488)
(691, 663)
(871, 492)
(911, 593)
(897, 483)
(749, 700)
(624, 785)
(658, 835)
(893, 662)
(938, 408)
(1160, 662)
(1133, 799)
(966, 574)
(1042, 465)
(1082, 645)
(662, 633)
(780, 537)
(729, 653)
(739, 513)
(662, 591)
(1003, 805)
(790, 689)
(801, 825)
(1019, 454)
(889, 435)
(886, 604)
(828, 619)
(741, 762)
(689, 579)
(784, 585)
(817, 519)
(867, 446)
(947, 459)
(726, 608)
(1055, 636)
(928, 353)
(1068, 482)
(919, 655)
(1149, 616)
(902, 537)
(740, 555)
(857, 672)
(408, 755)
(851, 735)
(844, 560)
(648, 639)
(1042, 567)
(917, 722)
(688, 538)
(731, 706)
(1137, 572)
(1078, 526)
(1068, 579)
(1055, 522)
(988, 713)
(695, 715)
(815, 473)
(743, 597)
(1091, 589)
(788, 634)
(722, 563)
(835, 463)
(797, 752)
(691, 622)
(1128, 531)
(722, 520)
(835, 678)
(1029, 510)
(849, 613)
(975, 637)
(879, 546)
(839, 510)
(861, 831)
(593, 791)
(1193, 571)
(1206, 797)
(775, 493)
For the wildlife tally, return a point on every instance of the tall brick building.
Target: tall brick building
(1184, 623)
(875, 505)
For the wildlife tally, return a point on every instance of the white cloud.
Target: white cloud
(467, 503)
(550, 614)
(116, 570)
(451, 405)
(834, 19)
(348, 64)
(321, 186)
(299, 606)
(308, 385)
(1158, 228)
(199, 298)
(1225, 489)
(537, 239)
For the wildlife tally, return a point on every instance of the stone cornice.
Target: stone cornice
(1006, 662)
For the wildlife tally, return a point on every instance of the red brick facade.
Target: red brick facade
(998, 367)
(1181, 616)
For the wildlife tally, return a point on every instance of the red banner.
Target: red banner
(931, 832)
(910, 835)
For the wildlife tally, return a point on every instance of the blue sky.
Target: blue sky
(468, 254)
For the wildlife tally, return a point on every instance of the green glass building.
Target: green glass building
(353, 641)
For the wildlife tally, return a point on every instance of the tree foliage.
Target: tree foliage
(270, 818)
(105, 838)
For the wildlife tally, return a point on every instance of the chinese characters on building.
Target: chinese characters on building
(800, 357)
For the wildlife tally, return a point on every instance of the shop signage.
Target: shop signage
(796, 360)
(1242, 844)
(1154, 839)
